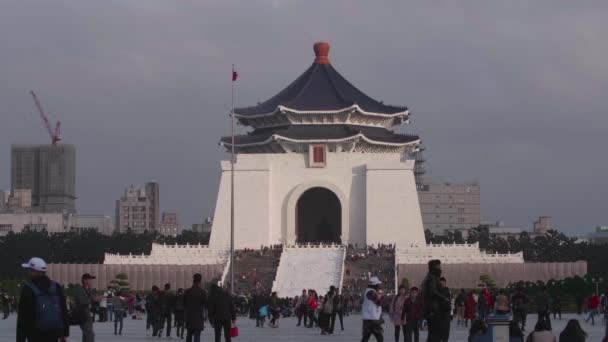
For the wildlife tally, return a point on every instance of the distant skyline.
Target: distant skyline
(509, 94)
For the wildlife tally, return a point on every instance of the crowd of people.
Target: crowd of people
(46, 314)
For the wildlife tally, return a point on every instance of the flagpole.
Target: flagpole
(232, 191)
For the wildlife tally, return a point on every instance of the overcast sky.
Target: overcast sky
(509, 93)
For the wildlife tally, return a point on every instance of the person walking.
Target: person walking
(592, 306)
(338, 310)
(327, 307)
(119, 306)
(542, 304)
(573, 332)
(396, 311)
(43, 313)
(557, 307)
(313, 304)
(519, 302)
(470, 309)
(222, 314)
(166, 302)
(6, 306)
(434, 302)
(371, 311)
(275, 310)
(195, 302)
(153, 311)
(412, 315)
(459, 302)
(446, 310)
(84, 297)
(260, 307)
(302, 308)
(178, 313)
(483, 308)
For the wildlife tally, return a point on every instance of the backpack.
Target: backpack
(48, 308)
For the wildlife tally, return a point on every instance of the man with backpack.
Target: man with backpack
(42, 307)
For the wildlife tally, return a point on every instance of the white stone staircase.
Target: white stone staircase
(314, 267)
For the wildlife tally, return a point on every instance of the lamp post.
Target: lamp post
(597, 283)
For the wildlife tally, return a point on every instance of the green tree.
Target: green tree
(487, 281)
(120, 283)
(405, 282)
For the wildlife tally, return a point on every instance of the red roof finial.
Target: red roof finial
(321, 52)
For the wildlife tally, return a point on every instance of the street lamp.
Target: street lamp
(597, 283)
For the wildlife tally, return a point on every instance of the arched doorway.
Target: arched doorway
(318, 216)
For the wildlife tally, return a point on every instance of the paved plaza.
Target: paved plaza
(135, 331)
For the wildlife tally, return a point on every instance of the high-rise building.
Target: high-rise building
(138, 208)
(542, 225)
(169, 224)
(449, 206)
(49, 171)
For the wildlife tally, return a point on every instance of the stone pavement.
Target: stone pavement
(135, 331)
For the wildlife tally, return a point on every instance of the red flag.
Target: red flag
(235, 75)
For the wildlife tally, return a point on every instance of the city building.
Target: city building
(17, 222)
(542, 225)
(49, 172)
(20, 201)
(138, 208)
(101, 223)
(169, 224)
(600, 236)
(449, 206)
(4, 195)
(204, 227)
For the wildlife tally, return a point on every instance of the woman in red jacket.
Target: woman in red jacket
(312, 307)
(470, 309)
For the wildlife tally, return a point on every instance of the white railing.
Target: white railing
(171, 255)
(452, 254)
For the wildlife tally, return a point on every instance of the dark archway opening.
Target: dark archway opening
(318, 216)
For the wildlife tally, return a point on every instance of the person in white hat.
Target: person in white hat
(43, 313)
(371, 311)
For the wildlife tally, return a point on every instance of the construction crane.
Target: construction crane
(56, 134)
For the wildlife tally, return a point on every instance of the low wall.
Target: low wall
(467, 275)
(141, 277)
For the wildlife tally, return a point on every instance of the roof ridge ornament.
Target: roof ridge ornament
(321, 52)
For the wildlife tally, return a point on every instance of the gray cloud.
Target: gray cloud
(507, 93)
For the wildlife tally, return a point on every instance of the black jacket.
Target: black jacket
(26, 319)
(195, 302)
(433, 299)
(220, 306)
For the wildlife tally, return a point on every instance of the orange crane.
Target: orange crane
(56, 134)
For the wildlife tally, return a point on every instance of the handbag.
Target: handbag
(263, 311)
(234, 331)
